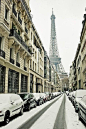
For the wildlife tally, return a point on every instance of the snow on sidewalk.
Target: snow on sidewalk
(71, 117)
(47, 120)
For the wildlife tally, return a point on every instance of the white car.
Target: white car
(78, 96)
(10, 104)
(82, 109)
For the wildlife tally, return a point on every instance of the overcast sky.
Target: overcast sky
(69, 17)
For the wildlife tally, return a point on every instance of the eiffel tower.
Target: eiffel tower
(53, 50)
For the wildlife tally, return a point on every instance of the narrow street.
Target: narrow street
(58, 113)
(60, 122)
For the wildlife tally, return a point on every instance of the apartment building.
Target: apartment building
(83, 52)
(47, 87)
(80, 60)
(21, 51)
(24, 63)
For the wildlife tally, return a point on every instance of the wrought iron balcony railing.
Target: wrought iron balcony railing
(11, 60)
(14, 11)
(19, 38)
(2, 53)
(17, 64)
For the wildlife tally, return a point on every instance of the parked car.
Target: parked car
(70, 96)
(39, 100)
(29, 100)
(82, 109)
(52, 96)
(73, 97)
(43, 95)
(67, 93)
(10, 104)
(78, 96)
(47, 96)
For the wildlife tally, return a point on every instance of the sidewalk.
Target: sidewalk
(71, 117)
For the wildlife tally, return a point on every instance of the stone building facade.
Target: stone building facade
(21, 50)
(79, 66)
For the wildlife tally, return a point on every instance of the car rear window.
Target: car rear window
(81, 93)
(4, 98)
(24, 96)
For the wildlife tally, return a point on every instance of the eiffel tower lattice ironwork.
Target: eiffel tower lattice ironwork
(53, 50)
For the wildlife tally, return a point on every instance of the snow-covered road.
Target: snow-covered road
(47, 120)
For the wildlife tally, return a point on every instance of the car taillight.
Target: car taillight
(0, 111)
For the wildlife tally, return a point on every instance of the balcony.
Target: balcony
(11, 60)
(25, 68)
(19, 19)
(14, 11)
(19, 38)
(17, 64)
(26, 8)
(2, 53)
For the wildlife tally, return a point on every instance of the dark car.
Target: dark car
(38, 98)
(52, 96)
(29, 100)
(82, 109)
(43, 95)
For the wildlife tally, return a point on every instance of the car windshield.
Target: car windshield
(4, 98)
(81, 93)
(24, 96)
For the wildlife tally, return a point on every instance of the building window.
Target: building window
(17, 60)
(17, 57)
(35, 55)
(11, 56)
(31, 35)
(0, 42)
(25, 65)
(24, 62)
(0, 5)
(18, 32)
(33, 65)
(31, 83)
(6, 13)
(2, 79)
(19, 18)
(13, 81)
(14, 9)
(23, 83)
(30, 63)
(11, 53)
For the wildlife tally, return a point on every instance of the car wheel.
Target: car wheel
(21, 111)
(79, 114)
(35, 105)
(28, 108)
(7, 118)
(39, 103)
(43, 102)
